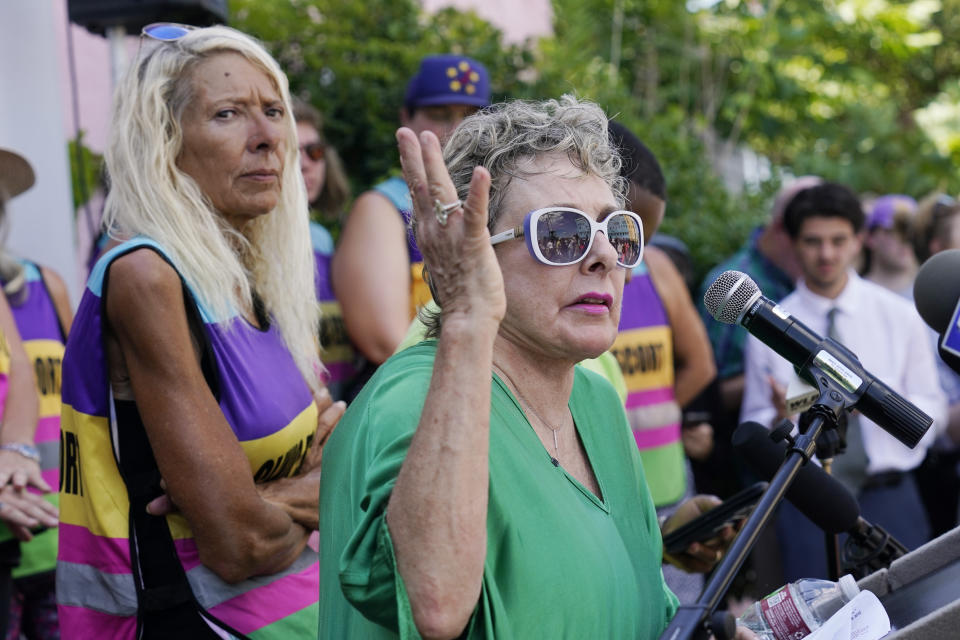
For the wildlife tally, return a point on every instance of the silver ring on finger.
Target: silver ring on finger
(443, 211)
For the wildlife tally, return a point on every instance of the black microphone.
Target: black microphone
(820, 497)
(936, 292)
(735, 298)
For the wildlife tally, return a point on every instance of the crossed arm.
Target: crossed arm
(241, 529)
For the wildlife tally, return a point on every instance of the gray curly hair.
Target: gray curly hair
(503, 135)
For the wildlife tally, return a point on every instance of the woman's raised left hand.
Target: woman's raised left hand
(462, 266)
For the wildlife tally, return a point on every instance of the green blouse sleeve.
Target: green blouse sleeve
(368, 570)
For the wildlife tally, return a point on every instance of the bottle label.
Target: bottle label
(783, 616)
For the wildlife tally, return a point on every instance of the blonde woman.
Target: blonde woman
(191, 438)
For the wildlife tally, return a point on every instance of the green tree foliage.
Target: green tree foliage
(860, 91)
(86, 168)
(353, 60)
(630, 85)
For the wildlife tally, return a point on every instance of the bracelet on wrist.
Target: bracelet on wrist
(26, 450)
(661, 520)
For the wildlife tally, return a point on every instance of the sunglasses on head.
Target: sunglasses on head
(162, 32)
(315, 150)
(558, 236)
(166, 31)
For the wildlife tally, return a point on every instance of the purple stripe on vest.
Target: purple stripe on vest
(653, 438)
(339, 370)
(322, 277)
(77, 622)
(649, 397)
(279, 599)
(84, 375)
(261, 389)
(78, 545)
(34, 313)
(412, 248)
(641, 304)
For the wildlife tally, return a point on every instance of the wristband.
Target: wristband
(27, 451)
(661, 520)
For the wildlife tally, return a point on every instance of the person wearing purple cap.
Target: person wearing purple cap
(891, 261)
(379, 297)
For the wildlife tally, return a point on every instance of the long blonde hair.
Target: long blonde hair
(150, 196)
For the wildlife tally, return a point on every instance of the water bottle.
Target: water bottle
(798, 609)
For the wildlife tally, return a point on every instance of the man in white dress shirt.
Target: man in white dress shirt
(887, 334)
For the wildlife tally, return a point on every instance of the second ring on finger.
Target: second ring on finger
(443, 211)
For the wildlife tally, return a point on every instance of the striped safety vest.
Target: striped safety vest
(271, 411)
(340, 358)
(396, 191)
(43, 339)
(644, 349)
(4, 374)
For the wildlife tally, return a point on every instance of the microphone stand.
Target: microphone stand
(870, 548)
(691, 621)
(829, 443)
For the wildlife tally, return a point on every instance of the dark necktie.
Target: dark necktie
(850, 467)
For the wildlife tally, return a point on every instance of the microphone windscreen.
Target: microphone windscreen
(937, 289)
(729, 295)
(814, 492)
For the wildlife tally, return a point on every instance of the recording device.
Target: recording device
(936, 292)
(823, 363)
(709, 524)
(822, 499)
(800, 396)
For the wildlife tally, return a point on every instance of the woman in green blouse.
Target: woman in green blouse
(482, 485)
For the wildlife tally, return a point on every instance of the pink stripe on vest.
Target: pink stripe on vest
(648, 397)
(77, 544)
(48, 429)
(275, 601)
(4, 387)
(658, 437)
(77, 622)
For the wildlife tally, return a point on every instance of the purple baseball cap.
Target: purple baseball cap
(448, 79)
(887, 208)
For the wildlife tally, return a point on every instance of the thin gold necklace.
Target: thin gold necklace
(523, 400)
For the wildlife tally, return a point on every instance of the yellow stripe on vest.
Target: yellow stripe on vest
(46, 356)
(644, 358)
(92, 494)
(334, 340)
(294, 439)
(419, 290)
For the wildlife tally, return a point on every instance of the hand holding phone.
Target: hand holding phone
(710, 524)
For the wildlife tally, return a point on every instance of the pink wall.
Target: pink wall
(94, 84)
(518, 20)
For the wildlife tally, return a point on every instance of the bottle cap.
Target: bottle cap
(849, 587)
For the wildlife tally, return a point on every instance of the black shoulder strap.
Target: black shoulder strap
(167, 606)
